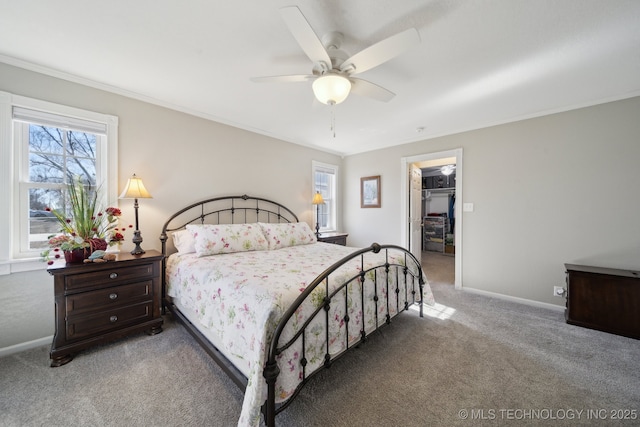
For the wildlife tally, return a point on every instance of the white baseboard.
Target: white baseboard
(516, 299)
(6, 351)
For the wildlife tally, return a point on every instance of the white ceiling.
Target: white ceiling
(480, 63)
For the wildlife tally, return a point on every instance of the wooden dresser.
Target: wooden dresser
(100, 302)
(335, 238)
(606, 299)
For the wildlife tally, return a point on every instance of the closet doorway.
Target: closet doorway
(436, 209)
(438, 198)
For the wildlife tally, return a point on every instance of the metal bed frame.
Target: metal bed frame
(246, 209)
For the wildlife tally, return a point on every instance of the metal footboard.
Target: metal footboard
(413, 284)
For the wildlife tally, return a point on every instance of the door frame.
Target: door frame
(404, 202)
(415, 223)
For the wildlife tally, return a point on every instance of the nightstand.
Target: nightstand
(335, 238)
(100, 302)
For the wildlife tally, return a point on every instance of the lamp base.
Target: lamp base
(137, 250)
(137, 239)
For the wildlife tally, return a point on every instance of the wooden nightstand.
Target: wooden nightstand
(335, 238)
(100, 302)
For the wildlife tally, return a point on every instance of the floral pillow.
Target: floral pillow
(288, 234)
(227, 238)
(184, 242)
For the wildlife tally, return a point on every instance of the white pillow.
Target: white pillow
(227, 238)
(282, 235)
(184, 242)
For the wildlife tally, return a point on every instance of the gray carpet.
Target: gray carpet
(484, 362)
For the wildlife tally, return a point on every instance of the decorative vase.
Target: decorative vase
(76, 255)
(79, 255)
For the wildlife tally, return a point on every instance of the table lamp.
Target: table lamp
(317, 200)
(135, 190)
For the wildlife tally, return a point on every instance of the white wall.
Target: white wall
(547, 191)
(437, 202)
(181, 159)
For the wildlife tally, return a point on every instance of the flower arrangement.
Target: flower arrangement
(87, 228)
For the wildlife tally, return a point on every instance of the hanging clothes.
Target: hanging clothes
(452, 206)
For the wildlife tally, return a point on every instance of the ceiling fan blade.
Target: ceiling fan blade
(381, 52)
(370, 90)
(284, 79)
(304, 35)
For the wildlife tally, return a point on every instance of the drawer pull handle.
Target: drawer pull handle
(113, 296)
(113, 275)
(113, 319)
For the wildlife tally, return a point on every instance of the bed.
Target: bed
(272, 305)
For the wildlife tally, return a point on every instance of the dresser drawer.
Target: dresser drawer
(112, 276)
(103, 299)
(79, 327)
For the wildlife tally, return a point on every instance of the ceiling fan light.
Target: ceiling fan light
(331, 88)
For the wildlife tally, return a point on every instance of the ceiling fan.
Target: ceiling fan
(333, 70)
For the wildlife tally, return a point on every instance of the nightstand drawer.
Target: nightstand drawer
(112, 276)
(103, 299)
(83, 326)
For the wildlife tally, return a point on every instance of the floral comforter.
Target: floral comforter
(240, 297)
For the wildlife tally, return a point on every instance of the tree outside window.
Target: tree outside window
(56, 157)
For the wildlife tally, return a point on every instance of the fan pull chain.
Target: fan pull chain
(333, 118)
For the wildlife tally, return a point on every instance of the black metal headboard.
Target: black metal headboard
(226, 210)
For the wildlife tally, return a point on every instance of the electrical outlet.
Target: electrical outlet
(558, 291)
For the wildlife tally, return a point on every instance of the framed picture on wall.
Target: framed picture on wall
(370, 192)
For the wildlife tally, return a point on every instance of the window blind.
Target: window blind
(327, 171)
(49, 119)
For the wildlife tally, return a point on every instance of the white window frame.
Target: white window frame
(333, 223)
(13, 176)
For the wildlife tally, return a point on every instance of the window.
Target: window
(48, 145)
(325, 180)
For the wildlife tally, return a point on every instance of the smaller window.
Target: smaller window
(325, 180)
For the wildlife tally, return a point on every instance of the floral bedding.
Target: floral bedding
(240, 297)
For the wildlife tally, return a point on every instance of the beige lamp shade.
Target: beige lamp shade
(317, 199)
(135, 189)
